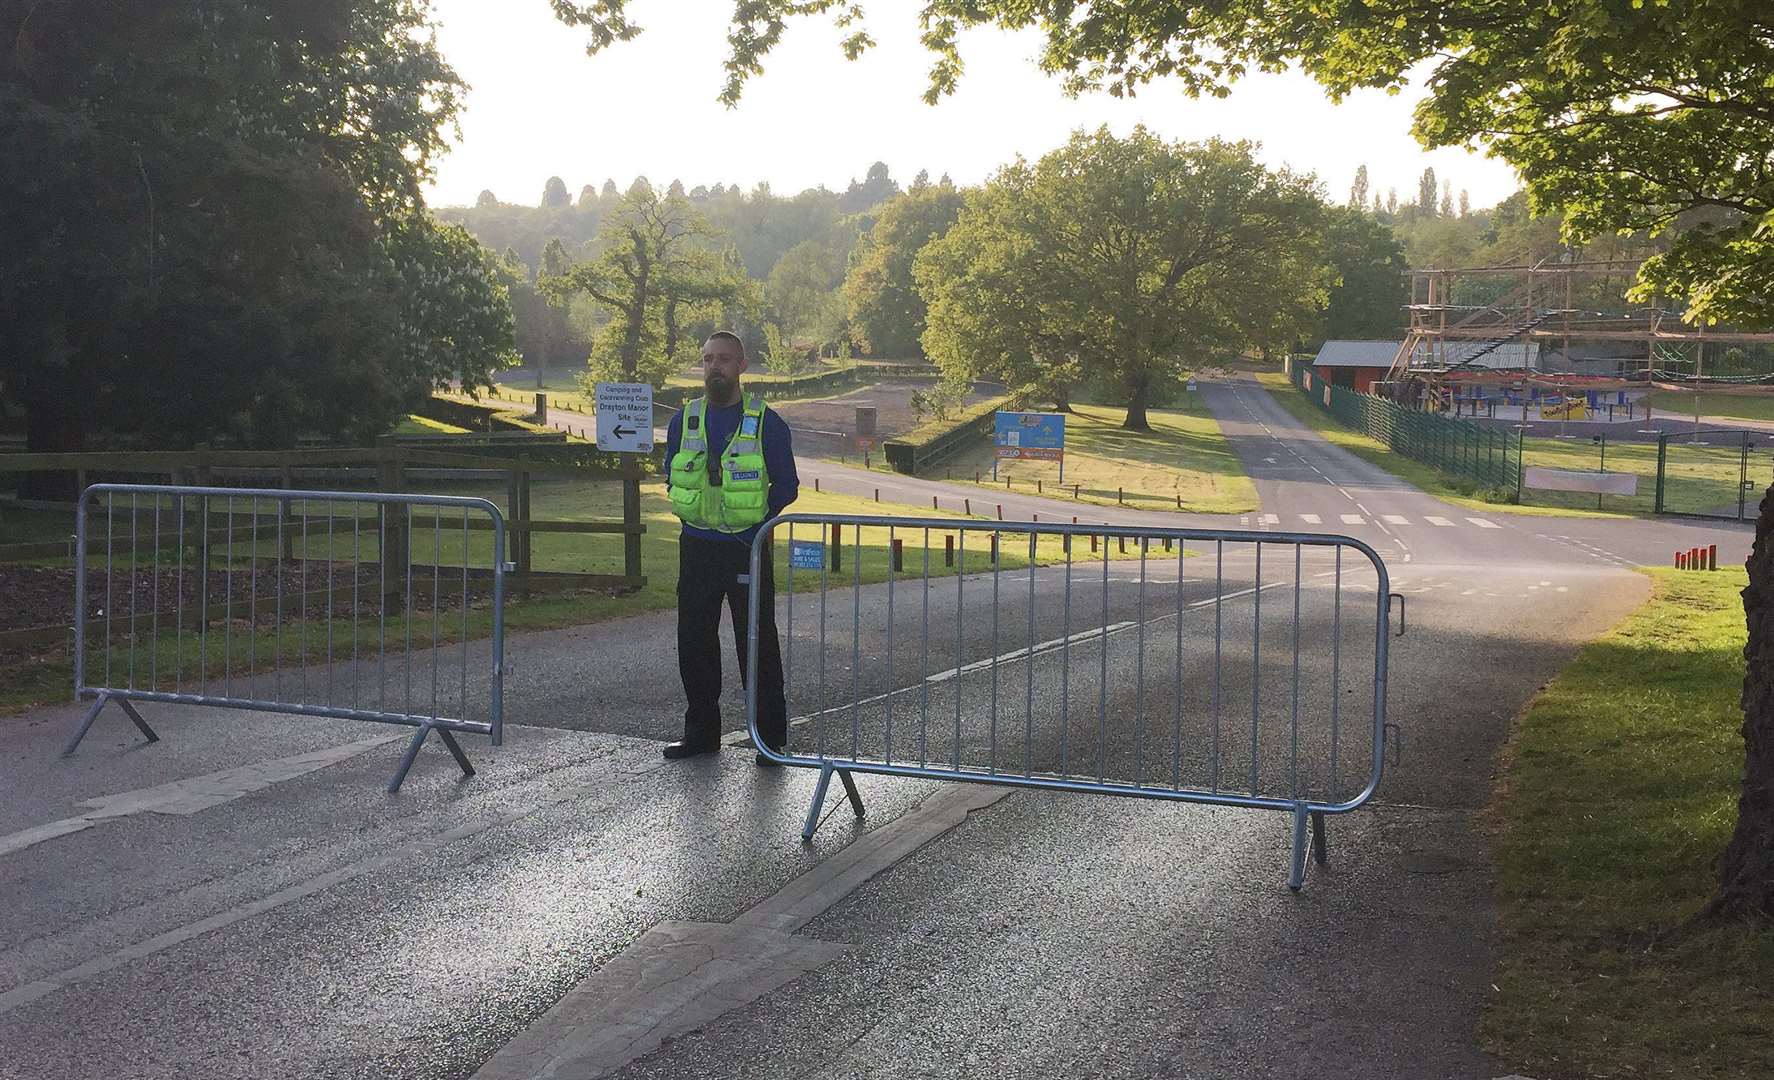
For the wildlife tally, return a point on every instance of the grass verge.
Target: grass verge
(1620, 795)
(1740, 405)
(1184, 459)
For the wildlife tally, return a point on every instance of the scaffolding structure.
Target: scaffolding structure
(1461, 319)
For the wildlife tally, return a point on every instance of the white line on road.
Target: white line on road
(1354, 519)
(1483, 524)
(1312, 519)
(1271, 519)
(1441, 521)
(1396, 519)
(190, 796)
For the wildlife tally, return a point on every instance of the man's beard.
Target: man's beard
(717, 385)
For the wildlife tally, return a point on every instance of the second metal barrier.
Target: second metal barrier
(1232, 668)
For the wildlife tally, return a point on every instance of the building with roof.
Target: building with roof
(1359, 364)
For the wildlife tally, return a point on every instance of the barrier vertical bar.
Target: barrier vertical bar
(134, 561)
(1176, 742)
(1102, 686)
(1294, 760)
(154, 630)
(893, 568)
(1256, 667)
(924, 666)
(1139, 683)
(856, 647)
(960, 588)
(1029, 670)
(1219, 604)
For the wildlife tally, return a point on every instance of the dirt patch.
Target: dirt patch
(828, 423)
(44, 596)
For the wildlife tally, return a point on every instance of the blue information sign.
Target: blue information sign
(1018, 436)
(806, 554)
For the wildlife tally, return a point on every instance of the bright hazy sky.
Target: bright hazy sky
(539, 107)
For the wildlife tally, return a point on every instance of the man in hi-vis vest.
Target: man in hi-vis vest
(730, 468)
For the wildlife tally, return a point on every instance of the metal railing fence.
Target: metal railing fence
(1711, 473)
(1223, 667)
(289, 601)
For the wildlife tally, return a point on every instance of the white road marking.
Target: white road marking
(1443, 522)
(189, 796)
(1483, 524)
(1311, 519)
(1354, 519)
(1396, 519)
(1271, 519)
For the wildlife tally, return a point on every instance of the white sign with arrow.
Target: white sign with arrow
(625, 417)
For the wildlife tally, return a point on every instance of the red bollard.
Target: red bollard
(1712, 556)
(948, 551)
(816, 484)
(1694, 560)
(877, 494)
(933, 505)
(1681, 560)
(898, 555)
(994, 548)
(1121, 545)
(1000, 511)
(967, 507)
(1093, 543)
(838, 546)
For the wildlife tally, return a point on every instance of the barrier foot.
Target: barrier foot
(825, 780)
(407, 759)
(455, 749)
(1320, 852)
(1298, 877)
(850, 790)
(92, 715)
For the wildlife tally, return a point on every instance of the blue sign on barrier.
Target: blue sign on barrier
(806, 554)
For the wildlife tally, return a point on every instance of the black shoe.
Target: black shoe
(685, 748)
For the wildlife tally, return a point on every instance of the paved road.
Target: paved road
(242, 900)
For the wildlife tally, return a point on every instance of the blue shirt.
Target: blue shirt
(779, 460)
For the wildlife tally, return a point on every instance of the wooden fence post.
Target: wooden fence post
(631, 518)
(396, 544)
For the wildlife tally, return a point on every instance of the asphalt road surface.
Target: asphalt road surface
(242, 899)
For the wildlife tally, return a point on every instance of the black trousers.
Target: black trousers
(709, 574)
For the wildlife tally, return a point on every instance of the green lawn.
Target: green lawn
(1744, 405)
(414, 424)
(26, 681)
(1184, 457)
(1620, 795)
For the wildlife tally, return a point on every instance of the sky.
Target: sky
(538, 106)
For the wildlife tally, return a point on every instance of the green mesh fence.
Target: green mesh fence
(1458, 449)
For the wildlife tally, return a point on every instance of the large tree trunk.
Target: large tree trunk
(1138, 391)
(1746, 875)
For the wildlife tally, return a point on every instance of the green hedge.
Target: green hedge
(936, 441)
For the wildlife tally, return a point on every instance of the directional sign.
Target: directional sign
(1030, 436)
(806, 554)
(625, 417)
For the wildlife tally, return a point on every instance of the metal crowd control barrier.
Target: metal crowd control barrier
(256, 616)
(1192, 665)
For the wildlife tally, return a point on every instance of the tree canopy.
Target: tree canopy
(215, 226)
(656, 270)
(886, 311)
(1619, 116)
(1124, 261)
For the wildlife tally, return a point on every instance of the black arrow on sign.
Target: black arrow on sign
(622, 432)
